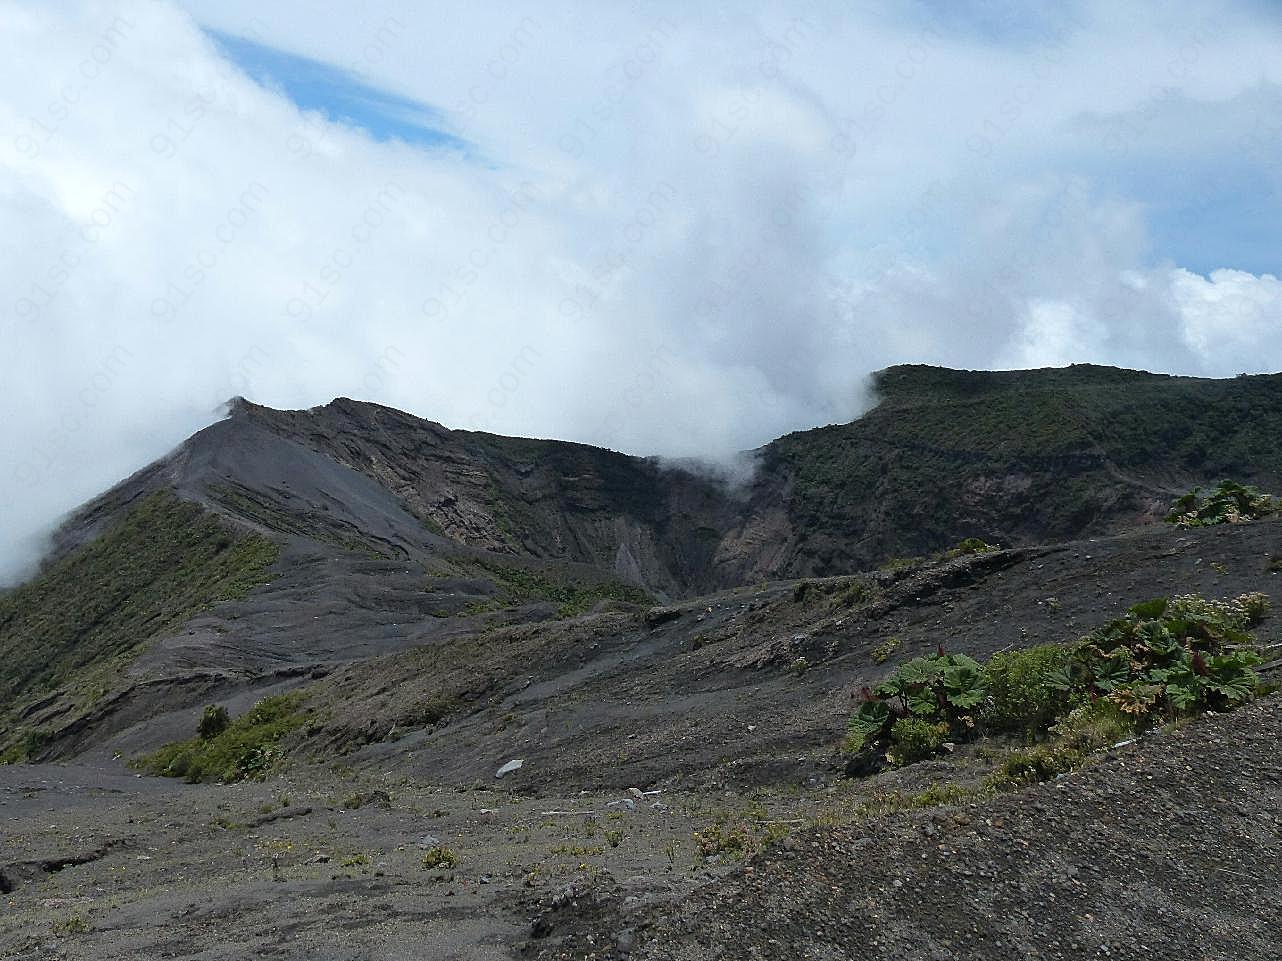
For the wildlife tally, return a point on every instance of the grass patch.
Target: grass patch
(84, 616)
(440, 859)
(883, 651)
(245, 750)
(517, 585)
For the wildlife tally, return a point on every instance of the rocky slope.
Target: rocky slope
(392, 532)
(444, 602)
(1167, 848)
(1018, 457)
(642, 731)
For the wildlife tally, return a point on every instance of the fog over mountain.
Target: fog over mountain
(660, 228)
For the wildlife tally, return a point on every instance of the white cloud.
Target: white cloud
(1229, 316)
(681, 230)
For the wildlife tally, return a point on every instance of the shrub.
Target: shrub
(1255, 606)
(881, 653)
(870, 723)
(729, 841)
(440, 859)
(858, 591)
(942, 687)
(1163, 660)
(213, 722)
(72, 924)
(971, 545)
(1167, 658)
(1229, 503)
(915, 739)
(245, 750)
(1028, 689)
(1034, 765)
(1081, 732)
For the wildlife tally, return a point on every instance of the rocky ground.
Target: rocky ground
(681, 796)
(1168, 847)
(331, 864)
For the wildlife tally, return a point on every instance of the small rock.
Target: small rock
(509, 767)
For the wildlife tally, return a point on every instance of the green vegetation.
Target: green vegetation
(968, 547)
(881, 803)
(70, 925)
(440, 859)
(1024, 701)
(730, 841)
(84, 616)
(518, 585)
(736, 841)
(1030, 456)
(245, 750)
(735, 834)
(1082, 732)
(213, 722)
(920, 706)
(1229, 503)
(914, 739)
(1163, 661)
(883, 651)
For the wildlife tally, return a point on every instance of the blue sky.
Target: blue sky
(338, 94)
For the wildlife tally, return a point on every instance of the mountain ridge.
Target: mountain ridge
(998, 448)
(418, 608)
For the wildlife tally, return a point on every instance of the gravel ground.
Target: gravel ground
(1167, 849)
(95, 864)
(1170, 848)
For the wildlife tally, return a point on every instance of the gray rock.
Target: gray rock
(509, 767)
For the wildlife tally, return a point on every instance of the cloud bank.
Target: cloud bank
(657, 228)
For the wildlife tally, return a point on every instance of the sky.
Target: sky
(665, 228)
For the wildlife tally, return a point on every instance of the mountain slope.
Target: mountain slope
(395, 533)
(1017, 457)
(438, 604)
(1161, 850)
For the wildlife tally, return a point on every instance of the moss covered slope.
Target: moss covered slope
(163, 562)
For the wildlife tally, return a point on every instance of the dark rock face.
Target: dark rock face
(1015, 458)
